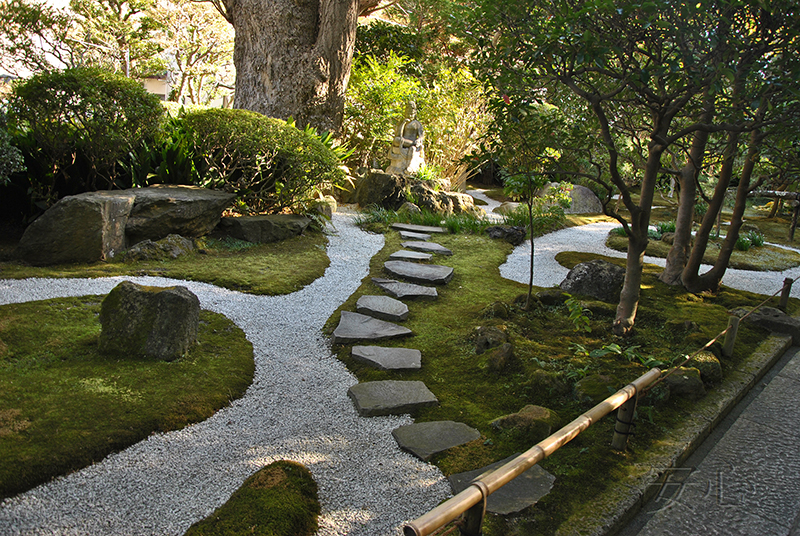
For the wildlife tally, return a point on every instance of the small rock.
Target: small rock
(595, 388)
(171, 247)
(487, 337)
(531, 423)
(511, 234)
(599, 279)
(709, 366)
(501, 358)
(382, 307)
(686, 382)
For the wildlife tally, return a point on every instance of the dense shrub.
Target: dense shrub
(268, 163)
(74, 126)
(10, 157)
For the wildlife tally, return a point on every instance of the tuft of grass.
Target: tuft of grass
(64, 406)
(278, 500)
(271, 269)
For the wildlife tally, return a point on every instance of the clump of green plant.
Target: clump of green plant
(578, 314)
(665, 227)
(11, 160)
(756, 238)
(79, 124)
(278, 500)
(742, 243)
(619, 231)
(269, 164)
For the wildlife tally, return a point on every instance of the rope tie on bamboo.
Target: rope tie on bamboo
(631, 425)
(787, 282)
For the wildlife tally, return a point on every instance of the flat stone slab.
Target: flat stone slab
(390, 397)
(424, 439)
(434, 274)
(408, 235)
(383, 308)
(428, 247)
(388, 358)
(355, 327)
(774, 320)
(406, 291)
(418, 228)
(405, 255)
(520, 493)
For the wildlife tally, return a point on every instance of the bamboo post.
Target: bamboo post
(472, 524)
(622, 428)
(787, 289)
(730, 336)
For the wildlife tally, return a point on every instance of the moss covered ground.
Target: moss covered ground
(550, 356)
(277, 268)
(64, 406)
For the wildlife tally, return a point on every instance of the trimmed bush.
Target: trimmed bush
(268, 163)
(742, 243)
(78, 124)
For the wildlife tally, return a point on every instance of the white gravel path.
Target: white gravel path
(297, 408)
(591, 239)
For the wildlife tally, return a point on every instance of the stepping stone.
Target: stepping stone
(424, 439)
(418, 228)
(390, 397)
(357, 327)
(382, 307)
(404, 255)
(406, 291)
(408, 235)
(420, 273)
(388, 358)
(429, 247)
(517, 495)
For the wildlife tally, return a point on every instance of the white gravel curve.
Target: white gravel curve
(297, 409)
(591, 238)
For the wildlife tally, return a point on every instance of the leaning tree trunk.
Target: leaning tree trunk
(681, 245)
(293, 57)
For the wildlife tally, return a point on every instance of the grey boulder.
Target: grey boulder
(152, 322)
(82, 228)
(597, 279)
(265, 228)
(163, 210)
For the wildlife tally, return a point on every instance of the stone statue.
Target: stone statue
(407, 154)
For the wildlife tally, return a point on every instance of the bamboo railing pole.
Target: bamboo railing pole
(622, 428)
(455, 506)
(787, 289)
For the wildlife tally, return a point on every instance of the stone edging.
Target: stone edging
(609, 513)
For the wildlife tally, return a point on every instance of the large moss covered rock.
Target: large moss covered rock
(89, 227)
(152, 322)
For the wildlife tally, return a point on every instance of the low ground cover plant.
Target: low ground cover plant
(555, 345)
(272, 269)
(63, 405)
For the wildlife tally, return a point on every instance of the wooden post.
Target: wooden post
(622, 428)
(730, 336)
(472, 523)
(787, 289)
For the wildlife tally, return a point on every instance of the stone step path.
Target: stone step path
(424, 439)
(394, 397)
(355, 327)
(408, 235)
(382, 308)
(391, 397)
(418, 228)
(520, 493)
(404, 255)
(388, 358)
(434, 274)
(407, 291)
(427, 247)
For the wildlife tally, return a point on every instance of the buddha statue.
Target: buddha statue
(407, 154)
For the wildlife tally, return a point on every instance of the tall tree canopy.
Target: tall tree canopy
(635, 77)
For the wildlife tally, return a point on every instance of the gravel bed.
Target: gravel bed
(297, 409)
(592, 238)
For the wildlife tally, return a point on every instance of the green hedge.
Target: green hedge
(268, 163)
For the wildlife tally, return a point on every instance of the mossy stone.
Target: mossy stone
(709, 366)
(686, 382)
(531, 424)
(487, 337)
(501, 358)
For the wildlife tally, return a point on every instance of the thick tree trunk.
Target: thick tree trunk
(681, 246)
(711, 279)
(293, 58)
